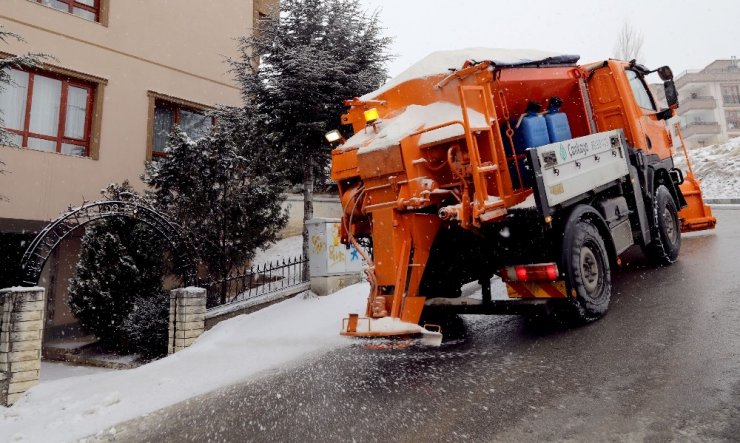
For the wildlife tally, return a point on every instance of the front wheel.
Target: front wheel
(665, 229)
(587, 272)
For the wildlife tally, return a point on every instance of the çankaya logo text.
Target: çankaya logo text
(579, 149)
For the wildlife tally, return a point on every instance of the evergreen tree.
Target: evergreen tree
(298, 67)
(223, 189)
(116, 292)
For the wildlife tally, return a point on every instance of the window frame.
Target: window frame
(734, 95)
(71, 4)
(60, 137)
(177, 104)
(732, 116)
(641, 78)
(97, 109)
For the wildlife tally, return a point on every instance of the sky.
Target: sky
(684, 34)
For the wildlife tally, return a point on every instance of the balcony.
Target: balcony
(700, 128)
(698, 102)
(703, 76)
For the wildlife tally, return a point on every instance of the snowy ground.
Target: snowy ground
(718, 168)
(286, 248)
(52, 370)
(70, 408)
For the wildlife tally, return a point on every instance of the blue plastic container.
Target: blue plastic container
(558, 128)
(531, 132)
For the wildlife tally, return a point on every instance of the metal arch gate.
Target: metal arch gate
(51, 236)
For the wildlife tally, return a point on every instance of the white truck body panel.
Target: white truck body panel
(573, 167)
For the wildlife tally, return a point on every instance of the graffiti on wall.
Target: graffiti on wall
(327, 253)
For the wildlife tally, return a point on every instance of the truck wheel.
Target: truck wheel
(587, 272)
(666, 244)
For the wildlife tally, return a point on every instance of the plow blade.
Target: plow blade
(696, 216)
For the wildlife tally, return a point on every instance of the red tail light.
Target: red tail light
(538, 272)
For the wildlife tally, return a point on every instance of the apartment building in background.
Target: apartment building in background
(709, 103)
(123, 73)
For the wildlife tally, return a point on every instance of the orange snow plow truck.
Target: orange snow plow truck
(521, 164)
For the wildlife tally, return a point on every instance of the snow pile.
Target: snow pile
(442, 62)
(71, 408)
(392, 130)
(717, 167)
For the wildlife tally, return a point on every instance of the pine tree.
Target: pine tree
(223, 189)
(116, 292)
(298, 67)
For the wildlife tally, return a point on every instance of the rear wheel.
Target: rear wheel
(665, 229)
(587, 271)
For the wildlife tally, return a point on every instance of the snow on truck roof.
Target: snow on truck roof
(443, 62)
(392, 130)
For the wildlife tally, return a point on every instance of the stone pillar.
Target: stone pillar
(21, 330)
(187, 317)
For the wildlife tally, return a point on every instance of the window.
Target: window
(169, 113)
(731, 94)
(640, 91)
(87, 9)
(48, 112)
(733, 120)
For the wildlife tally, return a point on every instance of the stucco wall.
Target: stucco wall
(324, 206)
(172, 47)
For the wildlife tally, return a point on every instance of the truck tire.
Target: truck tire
(587, 272)
(665, 230)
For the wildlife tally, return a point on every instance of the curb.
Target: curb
(722, 201)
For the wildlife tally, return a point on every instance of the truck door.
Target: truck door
(653, 130)
(620, 99)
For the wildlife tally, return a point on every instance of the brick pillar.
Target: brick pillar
(187, 317)
(21, 330)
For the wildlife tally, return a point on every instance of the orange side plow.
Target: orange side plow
(696, 216)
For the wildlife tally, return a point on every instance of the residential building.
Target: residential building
(123, 73)
(709, 103)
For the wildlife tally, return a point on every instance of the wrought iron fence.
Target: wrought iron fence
(257, 281)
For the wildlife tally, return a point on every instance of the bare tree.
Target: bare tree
(629, 44)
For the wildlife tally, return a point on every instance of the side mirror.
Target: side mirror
(671, 94)
(665, 73)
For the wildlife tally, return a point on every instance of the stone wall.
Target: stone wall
(21, 330)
